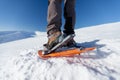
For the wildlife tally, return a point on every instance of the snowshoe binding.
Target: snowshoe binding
(59, 42)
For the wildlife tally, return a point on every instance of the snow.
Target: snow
(19, 59)
(7, 36)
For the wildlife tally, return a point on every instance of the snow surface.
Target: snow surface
(7, 36)
(19, 59)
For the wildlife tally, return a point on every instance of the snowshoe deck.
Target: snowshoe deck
(65, 53)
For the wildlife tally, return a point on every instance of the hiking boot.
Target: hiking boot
(53, 39)
(70, 43)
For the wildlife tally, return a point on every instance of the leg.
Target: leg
(69, 15)
(54, 16)
(54, 24)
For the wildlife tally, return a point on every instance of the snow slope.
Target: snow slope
(7, 36)
(19, 60)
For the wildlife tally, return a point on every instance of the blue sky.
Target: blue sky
(30, 15)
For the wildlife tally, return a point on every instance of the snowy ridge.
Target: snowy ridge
(7, 36)
(100, 64)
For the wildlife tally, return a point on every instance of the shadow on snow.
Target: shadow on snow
(98, 52)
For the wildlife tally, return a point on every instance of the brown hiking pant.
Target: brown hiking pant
(54, 17)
